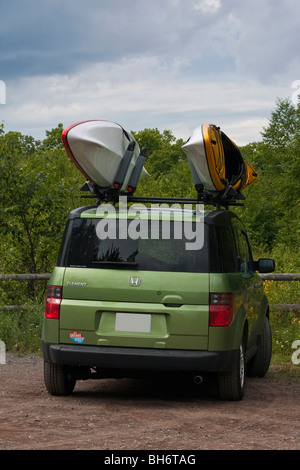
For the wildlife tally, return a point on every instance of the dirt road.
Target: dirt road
(133, 415)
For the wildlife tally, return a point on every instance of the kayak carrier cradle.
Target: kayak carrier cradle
(226, 198)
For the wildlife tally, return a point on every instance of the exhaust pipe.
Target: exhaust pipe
(198, 379)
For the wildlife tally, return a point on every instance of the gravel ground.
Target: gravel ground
(144, 415)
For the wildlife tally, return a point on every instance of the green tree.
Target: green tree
(283, 125)
(39, 185)
(163, 150)
(271, 209)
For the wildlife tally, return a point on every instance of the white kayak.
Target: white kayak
(216, 161)
(104, 152)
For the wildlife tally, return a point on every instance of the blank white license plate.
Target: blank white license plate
(134, 322)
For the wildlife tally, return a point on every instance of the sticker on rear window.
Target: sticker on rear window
(76, 337)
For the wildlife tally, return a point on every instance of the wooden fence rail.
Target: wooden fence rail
(46, 276)
(280, 277)
(24, 277)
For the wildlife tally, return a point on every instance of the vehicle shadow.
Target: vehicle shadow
(183, 389)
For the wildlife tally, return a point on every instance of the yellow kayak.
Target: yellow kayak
(217, 161)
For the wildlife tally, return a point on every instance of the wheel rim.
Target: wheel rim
(242, 366)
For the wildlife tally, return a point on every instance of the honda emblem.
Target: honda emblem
(134, 281)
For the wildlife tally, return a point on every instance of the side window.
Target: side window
(244, 255)
(227, 249)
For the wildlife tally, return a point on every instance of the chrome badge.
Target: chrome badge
(77, 284)
(135, 281)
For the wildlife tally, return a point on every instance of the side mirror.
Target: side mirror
(265, 265)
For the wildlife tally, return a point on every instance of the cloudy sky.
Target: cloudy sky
(166, 64)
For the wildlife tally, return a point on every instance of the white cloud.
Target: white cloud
(268, 34)
(140, 93)
(210, 6)
(171, 65)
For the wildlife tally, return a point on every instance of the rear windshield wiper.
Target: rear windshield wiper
(117, 263)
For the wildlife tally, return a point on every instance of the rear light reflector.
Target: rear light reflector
(220, 309)
(53, 301)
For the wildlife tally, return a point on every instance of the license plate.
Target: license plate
(133, 322)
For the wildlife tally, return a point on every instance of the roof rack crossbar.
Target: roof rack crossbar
(203, 198)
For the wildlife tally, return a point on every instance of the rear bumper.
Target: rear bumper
(139, 359)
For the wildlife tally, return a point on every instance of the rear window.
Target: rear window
(84, 249)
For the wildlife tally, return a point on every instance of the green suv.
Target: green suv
(155, 291)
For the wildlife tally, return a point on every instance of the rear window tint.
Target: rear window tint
(85, 249)
(227, 249)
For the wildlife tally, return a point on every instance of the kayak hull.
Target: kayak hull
(216, 161)
(97, 148)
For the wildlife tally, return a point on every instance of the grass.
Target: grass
(285, 331)
(283, 370)
(21, 329)
(285, 324)
(282, 292)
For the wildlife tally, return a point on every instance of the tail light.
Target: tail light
(53, 301)
(220, 309)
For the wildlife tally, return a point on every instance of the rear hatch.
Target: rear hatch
(148, 291)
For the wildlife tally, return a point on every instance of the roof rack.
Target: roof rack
(110, 195)
(226, 198)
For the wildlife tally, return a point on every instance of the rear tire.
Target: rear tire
(58, 380)
(231, 385)
(258, 366)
